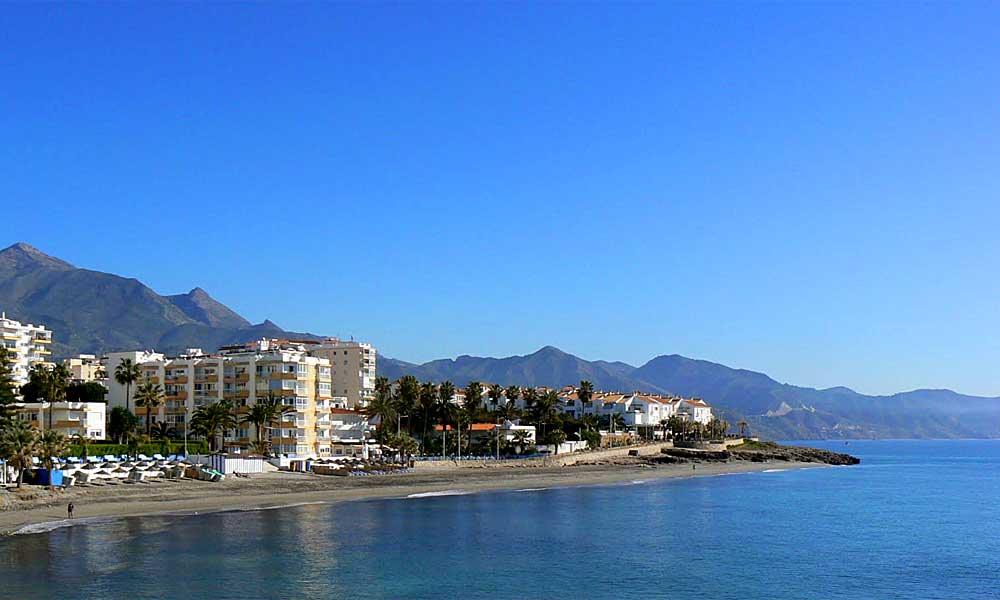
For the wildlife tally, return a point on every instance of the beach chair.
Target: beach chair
(158, 457)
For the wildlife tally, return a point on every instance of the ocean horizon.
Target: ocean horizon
(917, 519)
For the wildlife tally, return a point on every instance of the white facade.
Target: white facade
(116, 391)
(352, 368)
(85, 419)
(27, 345)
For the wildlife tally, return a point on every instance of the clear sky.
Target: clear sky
(804, 189)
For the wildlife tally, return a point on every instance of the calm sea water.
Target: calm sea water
(915, 520)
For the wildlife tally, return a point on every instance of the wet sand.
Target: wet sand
(271, 490)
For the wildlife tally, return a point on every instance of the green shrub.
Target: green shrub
(165, 448)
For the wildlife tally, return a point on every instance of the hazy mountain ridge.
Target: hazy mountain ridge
(95, 312)
(776, 410)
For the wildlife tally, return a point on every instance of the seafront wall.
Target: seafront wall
(557, 460)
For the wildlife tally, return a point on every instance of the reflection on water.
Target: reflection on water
(884, 529)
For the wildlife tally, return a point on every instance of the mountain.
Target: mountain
(548, 366)
(94, 312)
(774, 410)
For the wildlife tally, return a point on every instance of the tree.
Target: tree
(530, 396)
(743, 425)
(163, 431)
(586, 394)
(545, 408)
(150, 396)
(427, 401)
(51, 445)
(495, 392)
(407, 394)
(8, 392)
(121, 423)
(86, 391)
(521, 440)
(382, 408)
(554, 438)
(211, 419)
(512, 393)
(473, 399)
(263, 415)
(18, 444)
(127, 373)
(444, 410)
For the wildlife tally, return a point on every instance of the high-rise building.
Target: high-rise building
(353, 369)
(27, 345)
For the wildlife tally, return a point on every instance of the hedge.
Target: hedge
(194, 447)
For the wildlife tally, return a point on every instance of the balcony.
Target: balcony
(177, 396)
(282, 376)
(176, 380)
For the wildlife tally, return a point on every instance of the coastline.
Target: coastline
(278, 490)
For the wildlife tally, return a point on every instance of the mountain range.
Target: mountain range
(95, 312)
(774, 410)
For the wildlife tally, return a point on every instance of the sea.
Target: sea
(915, 520)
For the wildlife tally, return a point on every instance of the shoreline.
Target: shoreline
(280, 490)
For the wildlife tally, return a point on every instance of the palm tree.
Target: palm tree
(521, 439)
(51, 445)
(127, 373)
(585, 393)
(407, 394)
(530, 396)
(444, 409)
(18, 444)
(149, 395)
(383, 408)
(743, 425)
(545, 408)
(427, 402)
(263, 415)
(213, 418)
(163, 431)
(512, 393)
(494, 392)
(473, 399)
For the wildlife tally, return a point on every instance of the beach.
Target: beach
(270, 490)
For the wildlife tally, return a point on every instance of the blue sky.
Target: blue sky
(809, 190)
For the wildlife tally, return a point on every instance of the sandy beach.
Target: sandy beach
(283, 488)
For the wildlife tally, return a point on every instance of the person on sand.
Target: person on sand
(69, 510)
(693, 467)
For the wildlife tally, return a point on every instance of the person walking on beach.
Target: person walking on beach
(69, 510)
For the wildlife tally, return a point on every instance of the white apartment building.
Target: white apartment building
(352, 367)
(27, 345)
(116, 392)
(637, 410)
(84, 419)
(319, 423)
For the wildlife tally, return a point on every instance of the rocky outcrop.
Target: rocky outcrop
(765, 452)
(761, 452)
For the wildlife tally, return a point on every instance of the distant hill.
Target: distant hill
(95, 312)
(775, 410)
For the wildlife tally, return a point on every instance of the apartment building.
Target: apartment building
(353, 368)
(85, 367)
(116, 392)
(27, 345)
(637, 409)
(84, 419)
(318, 423)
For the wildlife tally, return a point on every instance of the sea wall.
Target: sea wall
(556, 460)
